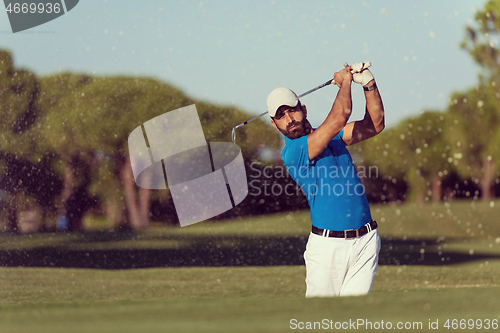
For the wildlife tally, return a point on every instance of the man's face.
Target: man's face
(291, 121)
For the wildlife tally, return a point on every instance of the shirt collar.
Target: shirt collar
(288, 140)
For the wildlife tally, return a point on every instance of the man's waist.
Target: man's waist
(346, 234)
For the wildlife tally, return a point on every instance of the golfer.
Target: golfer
(341, 255)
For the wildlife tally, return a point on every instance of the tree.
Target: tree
(27, 174)
(19, 89)
(384, 154)
(415, 152)
(481, 42)
(475, 119)
(89, 126)
(428, 161)
(481, 39)
(75, 128)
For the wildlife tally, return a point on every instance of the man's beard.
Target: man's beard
(301, 129)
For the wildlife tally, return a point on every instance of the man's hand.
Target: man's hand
(361, 74)
(343, 75)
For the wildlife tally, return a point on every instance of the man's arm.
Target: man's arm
(372, 123)
(336, 119)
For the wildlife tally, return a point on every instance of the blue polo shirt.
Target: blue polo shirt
(330, 182)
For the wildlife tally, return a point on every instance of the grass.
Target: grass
(256, 298)
(249, 314)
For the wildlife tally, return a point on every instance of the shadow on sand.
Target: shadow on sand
(215, 251)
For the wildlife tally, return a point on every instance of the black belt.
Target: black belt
(347, 234)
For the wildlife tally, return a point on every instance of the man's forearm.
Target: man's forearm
(337, 117)
(374, 108)
(341, 109)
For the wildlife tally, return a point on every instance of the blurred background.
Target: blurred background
(72, 90)
(82, 248)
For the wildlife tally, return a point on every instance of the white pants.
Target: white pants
(341, 267)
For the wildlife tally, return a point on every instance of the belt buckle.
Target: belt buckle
(345, 234)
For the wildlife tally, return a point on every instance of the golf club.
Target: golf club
(233, 133)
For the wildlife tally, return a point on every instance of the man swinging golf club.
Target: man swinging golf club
(341, 255)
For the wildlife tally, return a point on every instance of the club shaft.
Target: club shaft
(233, 132)
(314, 89)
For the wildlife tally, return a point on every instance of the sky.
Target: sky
(237, 52)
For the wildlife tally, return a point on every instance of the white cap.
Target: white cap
(279, 97)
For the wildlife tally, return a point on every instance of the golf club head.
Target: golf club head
(233, 134)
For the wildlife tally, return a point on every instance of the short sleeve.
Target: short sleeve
(341, 134)
(295, 155)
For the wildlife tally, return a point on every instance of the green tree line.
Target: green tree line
(63, 143)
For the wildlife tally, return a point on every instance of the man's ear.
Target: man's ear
(304, 109)
(274, 124)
